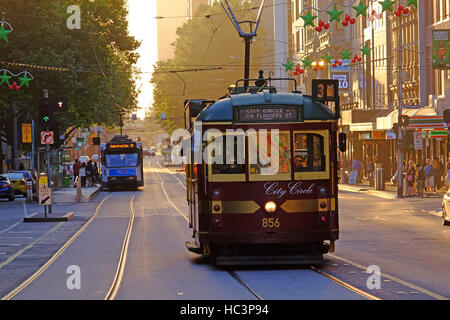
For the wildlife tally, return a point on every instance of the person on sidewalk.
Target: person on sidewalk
(437, 172)
(76, 169)
(356, 166)
(420, 181)
(429, 176)
(83, 174)
(410, 179)
(89, 173)
(447, 183)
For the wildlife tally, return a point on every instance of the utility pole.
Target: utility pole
(372, 56)
(400, 107)
(47, 151)
(14, 153)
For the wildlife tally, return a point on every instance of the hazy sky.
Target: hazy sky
(142, 26)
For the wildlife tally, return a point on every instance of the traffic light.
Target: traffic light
(404, 121)
(96, 141)
(395, 128)
(45, 114)
(408, 141)
(59, 104)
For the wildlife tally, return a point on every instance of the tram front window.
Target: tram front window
(233, 156)
(280, 170)
(122, 160)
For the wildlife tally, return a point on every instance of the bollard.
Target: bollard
(78, 184)
(29, 191)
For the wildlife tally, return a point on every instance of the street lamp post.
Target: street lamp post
(400, 107)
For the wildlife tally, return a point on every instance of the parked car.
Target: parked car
(19, 182)
(446, 208)
(29, 176)
(6, 188)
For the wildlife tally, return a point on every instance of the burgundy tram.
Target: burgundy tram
(239, 215)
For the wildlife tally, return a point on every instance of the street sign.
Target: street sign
(47, 137)
(418, 140)
(163, 116)
(45, 192)
(26, 133)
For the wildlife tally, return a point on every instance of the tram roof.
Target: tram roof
(222, 110)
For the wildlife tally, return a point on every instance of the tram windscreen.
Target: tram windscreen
(121, 160)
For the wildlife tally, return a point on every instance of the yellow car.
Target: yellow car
(19, 182)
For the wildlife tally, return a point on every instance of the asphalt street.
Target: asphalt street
(144, 231)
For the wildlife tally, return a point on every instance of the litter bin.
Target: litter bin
(66, 182)
(379, 179)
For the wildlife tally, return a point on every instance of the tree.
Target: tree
(207, 40)
(100, 56)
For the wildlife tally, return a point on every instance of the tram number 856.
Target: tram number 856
(270, 223)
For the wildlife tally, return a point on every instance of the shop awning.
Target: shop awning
(417, 118)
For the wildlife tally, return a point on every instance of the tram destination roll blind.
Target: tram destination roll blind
(262, 114)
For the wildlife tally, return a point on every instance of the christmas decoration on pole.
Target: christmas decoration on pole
(24, 80)
(4, 32)
(361, 9)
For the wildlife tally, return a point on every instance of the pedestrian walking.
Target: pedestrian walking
(82, 174)
(438, 173)
(356, 166)
(96, 177)
(410, 178)
(429, 176)
(447, 183)
(420, 180)
(89, 173)
(76, 169)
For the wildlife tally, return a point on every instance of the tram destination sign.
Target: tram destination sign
(115, 146)
(263, 114)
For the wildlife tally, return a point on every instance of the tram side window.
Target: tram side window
(309, 153)
(233, 157)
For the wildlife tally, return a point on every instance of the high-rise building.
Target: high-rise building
(171, 15)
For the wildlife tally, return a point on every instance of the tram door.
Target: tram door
(193, 198)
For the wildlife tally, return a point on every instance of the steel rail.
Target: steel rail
(46, 265)
(123, 256)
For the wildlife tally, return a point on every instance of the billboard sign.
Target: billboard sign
(441, 49)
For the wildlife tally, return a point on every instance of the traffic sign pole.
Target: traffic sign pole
(48, 175)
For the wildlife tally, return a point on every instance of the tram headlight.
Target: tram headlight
(270, 207)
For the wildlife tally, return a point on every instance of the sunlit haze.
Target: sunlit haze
(142, 26)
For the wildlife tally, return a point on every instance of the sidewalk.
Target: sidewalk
(70, 194)
(389, 192)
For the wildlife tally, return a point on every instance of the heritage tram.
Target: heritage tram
(245, 209)
(122, 163)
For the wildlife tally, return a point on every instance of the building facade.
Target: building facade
(370, 88)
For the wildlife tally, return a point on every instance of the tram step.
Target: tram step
(304, 259)
(193, 247)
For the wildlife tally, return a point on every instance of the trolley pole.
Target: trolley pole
(400, 107)
(248, 41)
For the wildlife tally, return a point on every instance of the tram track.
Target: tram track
(58, 253)
(245, 285)
(113, 290)
(123, 256)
